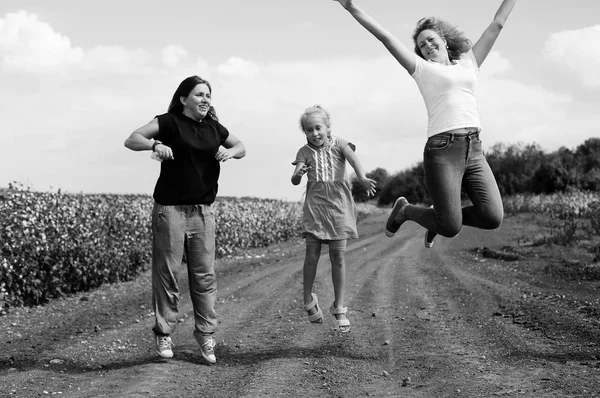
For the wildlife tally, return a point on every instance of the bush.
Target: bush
(576, 215)
(559, 206)
(53, 244)
(251, 222)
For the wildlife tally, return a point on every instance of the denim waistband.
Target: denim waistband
(467, 135)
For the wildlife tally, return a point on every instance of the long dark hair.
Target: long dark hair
(456, 41)
(184, 89)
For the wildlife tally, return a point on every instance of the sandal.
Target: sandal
(341, 325)
(317, 317)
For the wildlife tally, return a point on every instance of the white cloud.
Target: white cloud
(173, 55)
(577, 52)
(108, 60)
(77, 121)
(30, 45)
(512, 111)
(202, 66)
(495, 64)
(236, 66)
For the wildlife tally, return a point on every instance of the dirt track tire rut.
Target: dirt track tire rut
(424, 324)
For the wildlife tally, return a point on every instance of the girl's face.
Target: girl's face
(432, 46)
(197, 103)
(316, 130)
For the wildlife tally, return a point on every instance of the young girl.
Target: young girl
(329, 210)
(444, 65)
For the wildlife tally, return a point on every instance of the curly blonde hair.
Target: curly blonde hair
(456, 40)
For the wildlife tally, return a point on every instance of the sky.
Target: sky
(77, 77)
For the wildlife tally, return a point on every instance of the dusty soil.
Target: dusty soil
(451, 321)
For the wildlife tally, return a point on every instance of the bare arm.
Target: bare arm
(403, 55)
(301, 169)
(366, 183)
(142, 139)
(232, 148)
(484, 45)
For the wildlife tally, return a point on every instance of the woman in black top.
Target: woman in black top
(191, 143)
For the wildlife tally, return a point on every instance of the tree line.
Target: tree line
(518, 168)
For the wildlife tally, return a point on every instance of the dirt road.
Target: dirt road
(441, 322)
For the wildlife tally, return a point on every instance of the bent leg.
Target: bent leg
(480, 185)
(444, 164)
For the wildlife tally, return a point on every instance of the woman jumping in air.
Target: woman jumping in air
(445, 65)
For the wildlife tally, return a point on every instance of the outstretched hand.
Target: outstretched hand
(303, 170)
(369, 185)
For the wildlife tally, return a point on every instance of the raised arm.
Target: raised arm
(406, 57)
(484, 45)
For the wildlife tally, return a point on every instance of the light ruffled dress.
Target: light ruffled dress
(329, 211)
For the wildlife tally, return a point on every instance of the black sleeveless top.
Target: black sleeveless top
(192, 177)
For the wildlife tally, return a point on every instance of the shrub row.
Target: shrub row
(560, 206)
(576, 215)
(53, 244)
(250, 223)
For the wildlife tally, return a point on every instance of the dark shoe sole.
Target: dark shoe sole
(391, 226)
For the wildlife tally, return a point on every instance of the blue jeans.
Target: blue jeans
(451, 162)
(176, 229)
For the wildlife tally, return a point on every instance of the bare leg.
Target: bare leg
(338, 276)
(309, 271)
(337, 256)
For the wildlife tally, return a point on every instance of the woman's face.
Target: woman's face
(197, 103)
(315, 129)
(432, 46)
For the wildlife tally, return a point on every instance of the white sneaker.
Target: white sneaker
(164, 346)
(207, 349)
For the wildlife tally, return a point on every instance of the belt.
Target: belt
(460, 134)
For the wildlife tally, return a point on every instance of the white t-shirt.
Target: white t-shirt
(449, 93)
